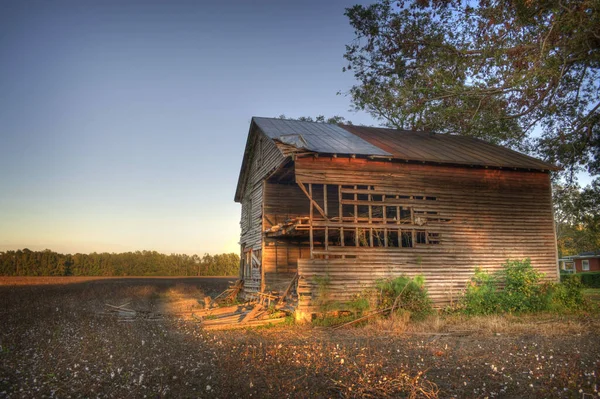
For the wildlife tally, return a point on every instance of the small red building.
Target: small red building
(584, 262)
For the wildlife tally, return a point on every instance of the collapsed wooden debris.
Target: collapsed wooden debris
(259, 309)
(240, 316)
(228, 295)
(288, 227)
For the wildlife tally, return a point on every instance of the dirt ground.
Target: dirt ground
(58, 340)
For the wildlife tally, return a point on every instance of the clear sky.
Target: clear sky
(123, 123)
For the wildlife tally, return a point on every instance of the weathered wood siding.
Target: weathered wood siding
(493, 215)
(265, 157)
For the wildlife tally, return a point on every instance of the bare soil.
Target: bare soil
(57, 340)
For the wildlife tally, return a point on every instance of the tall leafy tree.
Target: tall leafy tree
(335, 120)
(520, 73)
(140, 263)
(577, 218)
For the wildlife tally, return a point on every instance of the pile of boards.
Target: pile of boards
(240, 316)
(260, 309)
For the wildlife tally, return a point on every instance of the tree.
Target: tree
(519, 73)
(577, 218)
(335, 120)
(140, 263)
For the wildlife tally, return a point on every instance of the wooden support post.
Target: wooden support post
(341, 208)
(325, 199)
(355, 206)
(326, 243)
(385, 231)
(341, 217)
(370, 198)
(355, 216)
(310, 228)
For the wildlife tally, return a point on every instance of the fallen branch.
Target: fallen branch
(362, 318)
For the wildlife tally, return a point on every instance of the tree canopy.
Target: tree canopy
(519, 73)
(140, 263)
(335, 120)
(577, 218)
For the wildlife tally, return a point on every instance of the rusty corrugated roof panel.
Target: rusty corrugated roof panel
(317, 137)
(445, 148)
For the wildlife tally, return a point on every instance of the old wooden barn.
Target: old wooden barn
(354, 204)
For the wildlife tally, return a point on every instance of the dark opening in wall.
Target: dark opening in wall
(378, 238)
(391, 213)
(349, 237)
(393, 239)
(407, 241)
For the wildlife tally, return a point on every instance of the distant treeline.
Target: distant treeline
(140, 263)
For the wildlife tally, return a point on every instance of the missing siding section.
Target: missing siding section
(364, 216)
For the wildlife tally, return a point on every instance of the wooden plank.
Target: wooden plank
(248, 317)
(311, 220)
(288, 289)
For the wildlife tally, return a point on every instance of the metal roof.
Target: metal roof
(317, 137)
(445, 148)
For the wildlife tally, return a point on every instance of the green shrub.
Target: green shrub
(522, 291)
(517, 288)
(567, 295)
(334, 312)
(590, 279)
(481, 296)
(410, 294)
(323, 292)
(358, 304)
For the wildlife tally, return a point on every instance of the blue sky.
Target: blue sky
(122, 124)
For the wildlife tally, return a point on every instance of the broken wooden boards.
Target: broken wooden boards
(239, 316)
(230, 294)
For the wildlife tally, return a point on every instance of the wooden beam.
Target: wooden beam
(366, 224)
(310, 219)
(341, 215)
(326, 227)
(325, 199)
(355, 217)
(288, 289)
(370, 220)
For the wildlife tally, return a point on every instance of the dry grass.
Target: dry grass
(550, 325)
